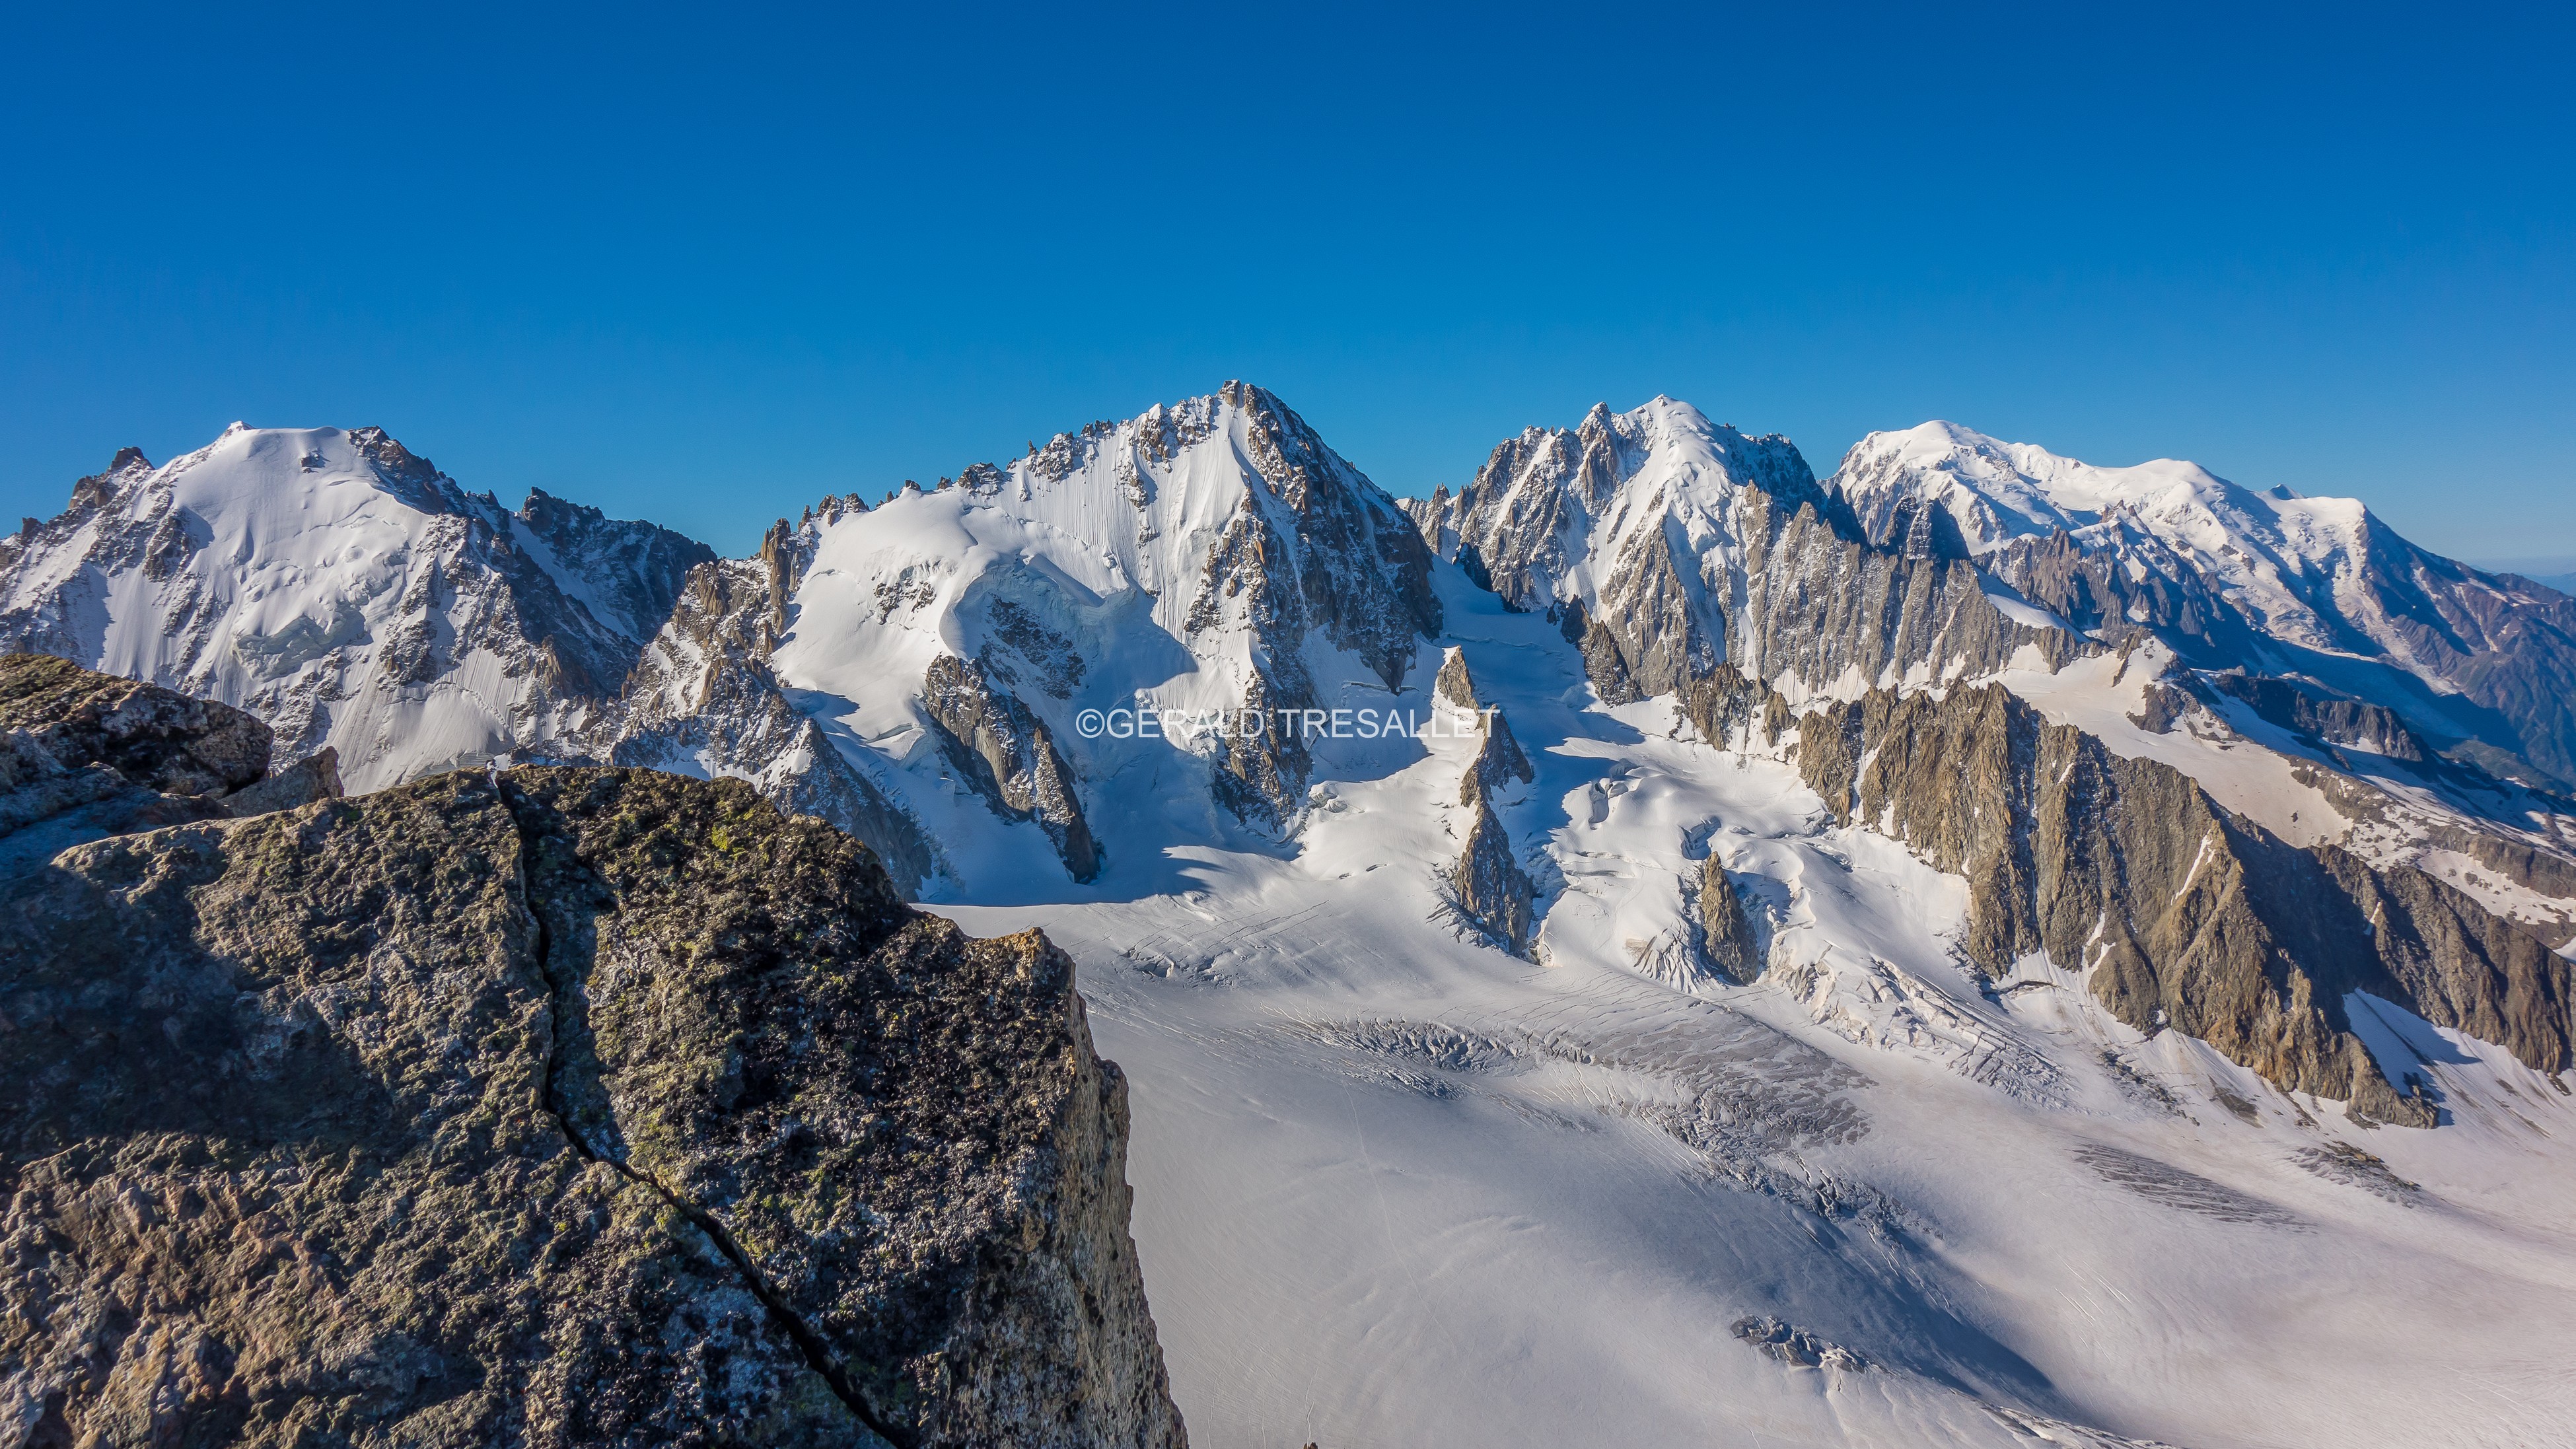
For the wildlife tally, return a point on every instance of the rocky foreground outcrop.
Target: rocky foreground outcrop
(561, 1106)
(154, 738)
(85, 755)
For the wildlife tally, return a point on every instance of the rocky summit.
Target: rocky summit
(561, 1106)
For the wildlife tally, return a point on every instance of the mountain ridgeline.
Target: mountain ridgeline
(2336, 768)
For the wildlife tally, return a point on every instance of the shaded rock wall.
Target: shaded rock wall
(1488, 884)
(2325, 719)
(1007, 753)
(1811, 608)
(1820, 606)
(2191, 917)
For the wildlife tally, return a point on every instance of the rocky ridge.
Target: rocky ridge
(2181, 914)
(1220, 547)
(703, 700)
(1669, 545)
(1310, 553)
(568, 1106)
(1221, 529)
(1682, 559)
(345, 590)
(1486, 883)
(1211, 556)
(2229, 577)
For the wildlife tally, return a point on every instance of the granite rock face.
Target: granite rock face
(155, 738)
(86, 755)
(316, 777)
(703, 700)
(1312, 554)
(564, 1106)
(1009, 756)
(1454, 683)
(2332, 723)
(1488, 884)
(1821, 606)
(1485, 883)
(1669, 547)
(2197, 919)
(1726, 934)
(1498, 762)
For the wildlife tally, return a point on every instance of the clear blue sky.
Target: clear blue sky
(704, 265)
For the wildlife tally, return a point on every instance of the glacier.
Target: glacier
(1404, 1178)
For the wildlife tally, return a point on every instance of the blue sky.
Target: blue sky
(706, 265)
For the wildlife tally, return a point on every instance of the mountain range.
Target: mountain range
(1971, 947)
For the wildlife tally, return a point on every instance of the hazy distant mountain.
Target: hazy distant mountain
(2316, 588)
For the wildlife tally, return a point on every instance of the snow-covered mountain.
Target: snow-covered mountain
(1688, 560)
(347, 592)
(1396, 1186)
(1211, 560)
(2317, 588)
(1668, 545)
(1964, 951)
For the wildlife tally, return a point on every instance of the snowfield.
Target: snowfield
(1397, 1188)
(1394, 1184)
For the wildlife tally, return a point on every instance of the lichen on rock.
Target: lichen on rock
(565, 1106)
(157, 738)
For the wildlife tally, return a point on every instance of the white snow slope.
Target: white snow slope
(340, 588)
(1395, 1187)
(1086, 569)
(2317, 574)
